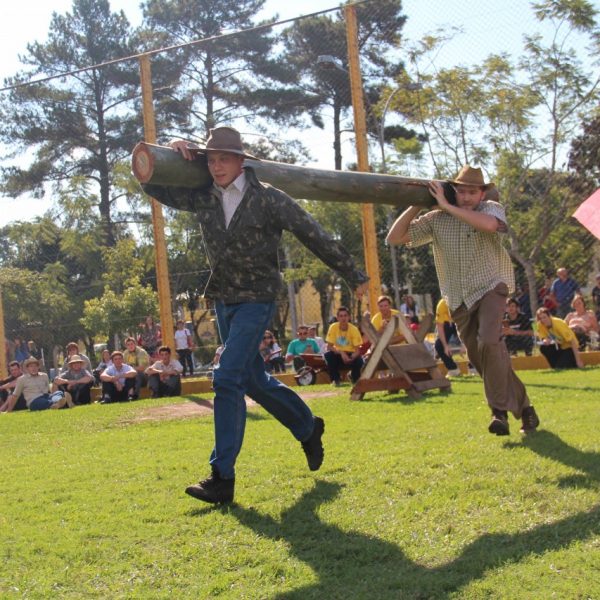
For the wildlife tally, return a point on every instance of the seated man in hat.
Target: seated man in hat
(164, 376)
(76, 380)
(72, 349)
(8, 384)
(135, 356)
(476, 275)
(118, 380)
(34, 386)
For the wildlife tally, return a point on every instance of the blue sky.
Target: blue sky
(493, 26)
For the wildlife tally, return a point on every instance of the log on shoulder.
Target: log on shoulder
(162, 166)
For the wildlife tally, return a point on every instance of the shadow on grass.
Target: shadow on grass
(350, 564)
(558, 386)
(549, 445)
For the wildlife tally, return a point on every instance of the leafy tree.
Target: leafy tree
(223, 79)
(513, 119)
(342, 221)
(78, 125)
(125, 301)
(38, 305)
(311, 42)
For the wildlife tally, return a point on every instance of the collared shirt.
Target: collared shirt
(232, 195)
(138, 358)
(174, 365)
(469, 263)
(112, 371)
(31, 386)
(564, 290)
(243, 257)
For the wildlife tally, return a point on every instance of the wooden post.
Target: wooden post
(158, 222)
(362, 155)
(3, 367)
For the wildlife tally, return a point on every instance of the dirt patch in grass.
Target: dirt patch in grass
(198, 407)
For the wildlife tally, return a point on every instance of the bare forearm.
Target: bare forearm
(398, 233)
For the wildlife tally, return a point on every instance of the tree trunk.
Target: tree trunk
(161, 166)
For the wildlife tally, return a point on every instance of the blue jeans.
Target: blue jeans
(46, 401)
(241, 371)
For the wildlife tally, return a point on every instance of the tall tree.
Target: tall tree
(316, 50)
(514, 119)
(78, 125)
(237, 76)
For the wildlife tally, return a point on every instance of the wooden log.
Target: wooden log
(160, 165)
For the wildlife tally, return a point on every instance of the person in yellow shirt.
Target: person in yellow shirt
(559, 343)
(343, 348)
(382, 318)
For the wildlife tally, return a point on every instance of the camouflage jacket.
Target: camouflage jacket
(243, 257)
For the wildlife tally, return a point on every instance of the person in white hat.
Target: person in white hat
(476, 276)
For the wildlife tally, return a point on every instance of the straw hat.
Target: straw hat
(74, 359)
(30, 361)
(226, 139)
(471, 176)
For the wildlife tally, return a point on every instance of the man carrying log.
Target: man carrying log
(475, 275)
(242, 221)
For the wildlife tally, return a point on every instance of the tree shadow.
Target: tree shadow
(549, 445)
(350, 564)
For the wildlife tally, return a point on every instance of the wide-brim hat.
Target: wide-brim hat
(30, 361)
(226, 139)
(74, 359)
(471, 176)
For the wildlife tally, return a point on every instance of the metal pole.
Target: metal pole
(362, 155)
(3, 369)
(158, 222)
(393, 256)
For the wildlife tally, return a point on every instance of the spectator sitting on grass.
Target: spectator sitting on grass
(104, 363)
(138, 358)
(8, 384)
(76, 380)
(583, 322)
(164, 376)
(118, 380)
(271, 351)
(34, 387)
(558, 343)
(343, 347)
(516, 329)
(300, 345)
(72, 349)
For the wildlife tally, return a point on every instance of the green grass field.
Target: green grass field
(415, 500)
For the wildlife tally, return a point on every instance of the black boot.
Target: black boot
(213, 490)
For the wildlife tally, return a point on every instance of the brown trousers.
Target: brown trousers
(480, 330)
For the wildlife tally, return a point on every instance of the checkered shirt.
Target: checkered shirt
(469, 263)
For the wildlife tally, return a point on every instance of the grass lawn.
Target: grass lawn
(415, 500)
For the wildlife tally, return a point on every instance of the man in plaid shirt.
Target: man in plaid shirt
(475, 275)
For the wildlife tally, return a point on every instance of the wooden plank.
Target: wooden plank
(430, 384)
(381, 384)
(412, 356)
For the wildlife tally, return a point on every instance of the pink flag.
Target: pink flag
(588, 213)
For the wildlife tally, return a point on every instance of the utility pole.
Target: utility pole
(158, 222)
(362, 155)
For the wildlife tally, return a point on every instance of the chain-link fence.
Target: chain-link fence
(526, 112)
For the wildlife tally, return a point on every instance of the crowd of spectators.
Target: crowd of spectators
(563, 327)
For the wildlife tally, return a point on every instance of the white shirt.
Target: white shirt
(232, 196)
(175, 365)
(181, 339)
